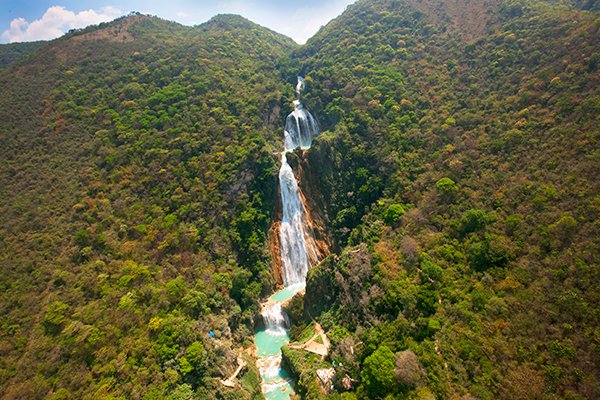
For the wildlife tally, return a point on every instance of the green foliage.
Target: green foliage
(175, 289)
(489, 252)
(163, 140)
(55, 316)
(156, 135)
(446, 187)
(473, 220)
(378, 373)
(393, 214)
(482, 255)
(196, 356)
(15, 52)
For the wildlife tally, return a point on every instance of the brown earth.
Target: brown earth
(469, 19)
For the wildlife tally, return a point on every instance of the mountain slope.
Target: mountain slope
(136, 191)
(14, 51)
(456, 177)
(460, 181)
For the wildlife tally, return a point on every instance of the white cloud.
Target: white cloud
(55, 22)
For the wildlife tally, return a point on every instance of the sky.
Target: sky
(28, 20)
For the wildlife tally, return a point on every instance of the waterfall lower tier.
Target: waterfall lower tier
(276, 384)
(296, 239)
(275, 319)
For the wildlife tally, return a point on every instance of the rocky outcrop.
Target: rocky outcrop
(306, 164)
(274, 250)
(316, 213)
(273, 241)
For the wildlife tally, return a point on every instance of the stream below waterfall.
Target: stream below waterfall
(298, 254)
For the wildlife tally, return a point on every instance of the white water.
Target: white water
(299, 86)
(298, 254)
(300, 127)
(275, 319)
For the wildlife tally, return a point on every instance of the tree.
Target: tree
(393, 214)
(55, 318)
(409, 370)
(196, 356)
(447, 188)
(378, 374)
(473, 220)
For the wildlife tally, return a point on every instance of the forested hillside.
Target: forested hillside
(460, 178)
(136, 188)
(12, 52)
(456, 175)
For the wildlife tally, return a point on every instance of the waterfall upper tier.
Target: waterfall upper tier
(300, 86)
(300, 127)
(296, 239)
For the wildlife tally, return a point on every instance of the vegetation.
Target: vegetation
(138, 181)
(456, 174)
(15, 51)
(488, 145)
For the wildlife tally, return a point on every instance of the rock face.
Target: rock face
(326, 376)
(308, 182)
(305, 164)
(274, 250)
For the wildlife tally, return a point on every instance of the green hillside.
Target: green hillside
(456, 174)
(15, 51)
(136, 187)
(462, 177)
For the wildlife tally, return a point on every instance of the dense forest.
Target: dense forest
(456, 176)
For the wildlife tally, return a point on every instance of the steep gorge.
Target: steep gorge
(296, 251)
(455, 182)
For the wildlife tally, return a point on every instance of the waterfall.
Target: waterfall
(298, 254)
(296, 239)
(300, 127)
(299, 86)
(275, 319)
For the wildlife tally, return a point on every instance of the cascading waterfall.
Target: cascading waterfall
(300, 127)
(296, 240)
(275, 319)
(298, 255)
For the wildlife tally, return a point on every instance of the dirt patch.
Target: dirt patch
(116, 31)
(469, 19)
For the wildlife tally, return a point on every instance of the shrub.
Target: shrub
(378, 372)
(447, 188)
(393, 214)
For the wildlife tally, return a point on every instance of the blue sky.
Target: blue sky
(27, 20)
